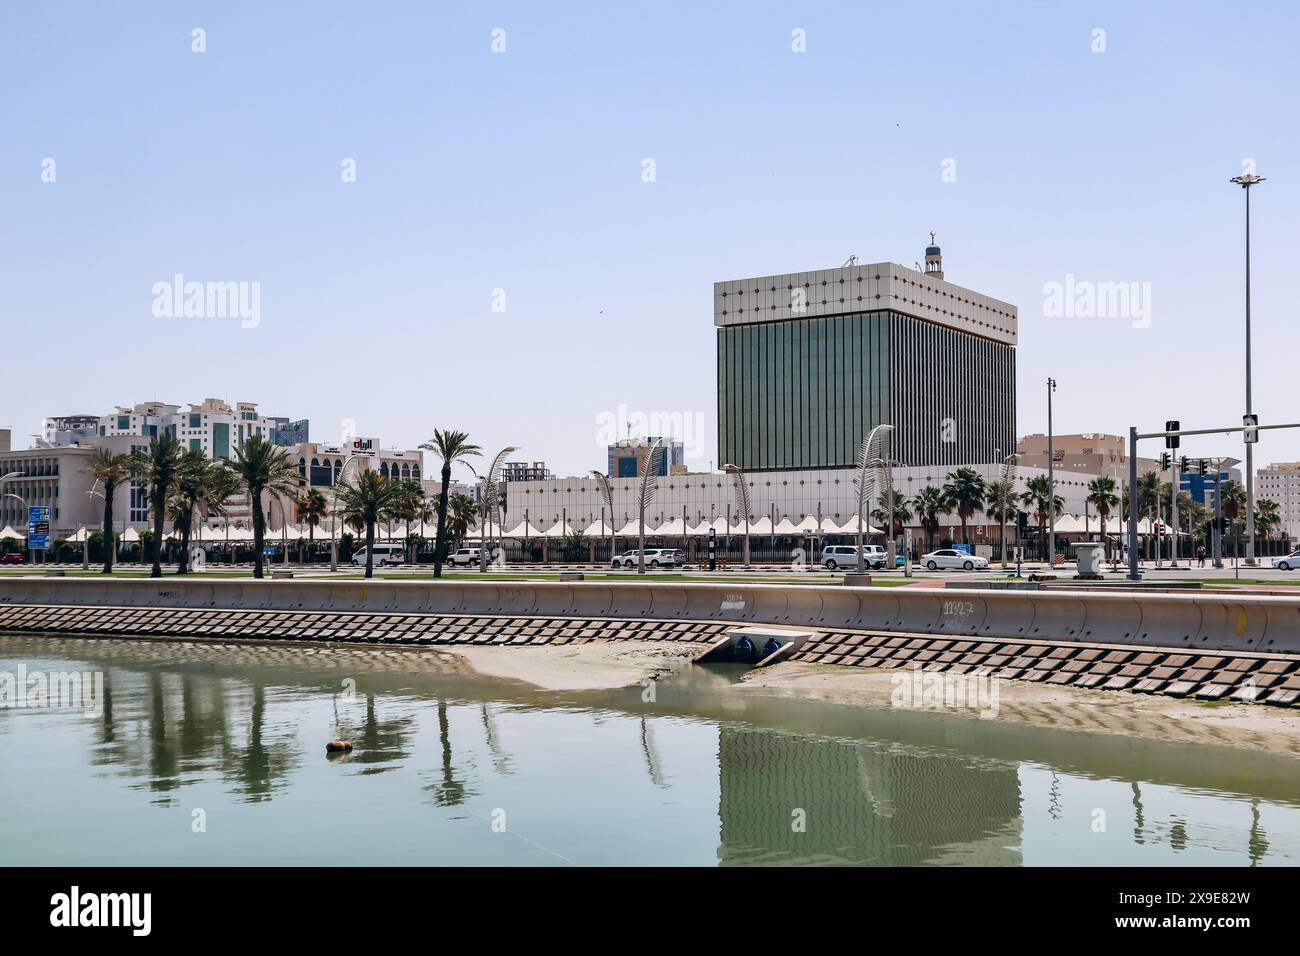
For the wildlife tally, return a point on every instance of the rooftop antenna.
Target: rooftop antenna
(853, 261)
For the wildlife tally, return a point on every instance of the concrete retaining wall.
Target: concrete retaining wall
(1219, 621)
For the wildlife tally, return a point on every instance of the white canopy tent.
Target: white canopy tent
(521, 531)
(850, 526)
(9, 532)
(559, 530)
(598, 529)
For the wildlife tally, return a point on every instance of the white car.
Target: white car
(654, 558)
(465, 556)
(846, 556)
(384, 554)
(1288, 561)
(952, 558)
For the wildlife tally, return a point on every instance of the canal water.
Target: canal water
(193, 754)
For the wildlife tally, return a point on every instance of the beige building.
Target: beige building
(1280, 482)
(1089, 453)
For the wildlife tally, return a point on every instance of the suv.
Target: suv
(846, 556)
(465, 556)
(654, 558)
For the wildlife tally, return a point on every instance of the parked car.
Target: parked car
(654, 558)
(952, 558)
(13, 557)
(846, 556)
(384, 554)
(1284, 563)
(466, 556)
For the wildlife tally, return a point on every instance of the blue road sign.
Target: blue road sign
(38, 528)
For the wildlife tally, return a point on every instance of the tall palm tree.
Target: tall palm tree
(930, 502)
(156, 467)
(901, 511)
(1002, 507)
(461, 509)
(310, 508)
(367, 500)
(110, 470)
(967, 491)
(744, 503)
(1038, 495)
(451, 446)
(202, 487)
(409, 506)
(1267, 516)
(1101, 495)
(260, 466)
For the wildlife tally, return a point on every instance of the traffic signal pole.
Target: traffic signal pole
(1133, 437)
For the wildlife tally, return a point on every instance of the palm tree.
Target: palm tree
(202, 487)
(156, 467)
(1234, 506)
(1038, 495)
(900, 510)
(462, 510)
(310, 508)
(451, 447)
(1267, 516)
(1002, 507)
(930, 502)
(110, 470)
(363, 503)
(410, 505)
(259, 466)
(967, 491)
(1101, 495)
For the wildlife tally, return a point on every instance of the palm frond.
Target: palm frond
(650, 480)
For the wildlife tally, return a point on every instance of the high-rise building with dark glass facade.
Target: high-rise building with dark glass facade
(810, 362)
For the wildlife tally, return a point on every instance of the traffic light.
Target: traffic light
(1165, 461)
(1182, 463)
(1203, 467)
(1171, 441)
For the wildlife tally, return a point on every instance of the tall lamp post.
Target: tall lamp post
(1051, 481)
(11, 475)
(1245, 181)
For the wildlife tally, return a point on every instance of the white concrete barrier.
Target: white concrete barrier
(1196, 620)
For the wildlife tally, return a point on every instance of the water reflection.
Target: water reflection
(705, 775)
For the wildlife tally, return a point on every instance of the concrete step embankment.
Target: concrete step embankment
(368, 628)
(1263, 678)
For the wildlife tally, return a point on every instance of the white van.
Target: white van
(384, 554)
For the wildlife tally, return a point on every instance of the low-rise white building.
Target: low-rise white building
(1280, 482)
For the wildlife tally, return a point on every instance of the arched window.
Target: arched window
(383, 470)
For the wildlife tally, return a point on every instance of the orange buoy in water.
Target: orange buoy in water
(338, 746)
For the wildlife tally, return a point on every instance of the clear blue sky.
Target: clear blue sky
(523, 171)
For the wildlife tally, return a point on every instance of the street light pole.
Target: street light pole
(1245, 181)
(1051, 482)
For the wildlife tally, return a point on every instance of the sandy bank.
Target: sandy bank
(595, 666)
(1254, 726)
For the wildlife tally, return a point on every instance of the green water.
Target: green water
(215, 756)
